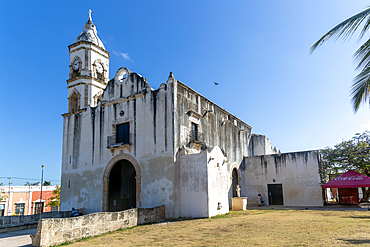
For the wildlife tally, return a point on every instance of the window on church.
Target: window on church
(123, 133)
(97, 98)
(194, 132)
(74, 103)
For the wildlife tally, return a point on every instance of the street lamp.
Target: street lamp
(42, 178)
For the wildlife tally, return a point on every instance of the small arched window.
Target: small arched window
(74, 102)
(97, 98)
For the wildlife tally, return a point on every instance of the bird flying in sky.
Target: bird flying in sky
(216, 83)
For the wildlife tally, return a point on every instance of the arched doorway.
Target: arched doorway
(122, 186)
(234, 182)
(107, 172)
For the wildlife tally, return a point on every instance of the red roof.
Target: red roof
(350, 179)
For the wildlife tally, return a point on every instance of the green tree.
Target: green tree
(47, 183)
(2, 193)
(55, 200)
(348, 155)
(360, 89)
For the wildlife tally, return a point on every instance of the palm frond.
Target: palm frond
(364, 29)
(362, 55)
(360, 88)
(345, 28)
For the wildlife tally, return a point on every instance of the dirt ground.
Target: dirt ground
(249, 228)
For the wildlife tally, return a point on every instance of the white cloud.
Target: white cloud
(121, 54)
(366, 126)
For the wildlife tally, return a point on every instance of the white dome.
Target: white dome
(90, 34)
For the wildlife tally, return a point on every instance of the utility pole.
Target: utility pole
(42, 178)
(9, 209)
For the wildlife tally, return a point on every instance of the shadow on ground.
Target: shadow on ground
(356, 241)
(357, 217)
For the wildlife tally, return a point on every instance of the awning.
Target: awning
(350, 179)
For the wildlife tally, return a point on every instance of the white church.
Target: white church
(127, 145)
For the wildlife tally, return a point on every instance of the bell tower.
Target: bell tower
(88, 69)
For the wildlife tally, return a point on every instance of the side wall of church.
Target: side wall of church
(88, 146)
(216, 126)
(296, 172)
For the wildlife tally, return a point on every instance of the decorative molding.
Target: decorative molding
(87, 43)
(131, 97)
(74, 91)
(72, 113)
(87, 48)
(192, 113)
(120, 147)
(87, 83)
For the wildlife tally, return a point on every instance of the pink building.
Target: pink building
(25, 200)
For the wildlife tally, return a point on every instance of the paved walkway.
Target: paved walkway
(17, 238)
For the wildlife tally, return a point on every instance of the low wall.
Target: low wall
(57, 231)
(15, 223)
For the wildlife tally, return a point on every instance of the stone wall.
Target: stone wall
(14, 223)
(57, 231)
(297, 173)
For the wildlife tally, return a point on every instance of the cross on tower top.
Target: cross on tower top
(90, 11)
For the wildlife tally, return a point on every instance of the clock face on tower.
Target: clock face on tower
(99, 68)
(76, 65)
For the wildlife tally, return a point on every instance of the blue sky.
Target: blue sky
(257, 50)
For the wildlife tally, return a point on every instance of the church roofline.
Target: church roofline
(220, 108)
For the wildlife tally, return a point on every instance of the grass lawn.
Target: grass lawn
(249, 228)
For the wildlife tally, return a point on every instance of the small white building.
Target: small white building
(128, 145)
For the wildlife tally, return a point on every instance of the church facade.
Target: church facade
(128, 145)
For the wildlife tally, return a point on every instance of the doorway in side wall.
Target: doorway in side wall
(122, 187)
(275, 194)
(235, 182)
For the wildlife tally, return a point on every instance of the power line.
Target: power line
(31, 178)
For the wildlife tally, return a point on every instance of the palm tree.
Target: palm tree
(360, 89)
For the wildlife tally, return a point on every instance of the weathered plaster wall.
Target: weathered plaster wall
(194, 185)
(297, 172)
(217, 127)
(204, 183)
(260, 145)
(218, 183)
(86, 151)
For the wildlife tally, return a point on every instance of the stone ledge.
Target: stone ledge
(60, 230)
